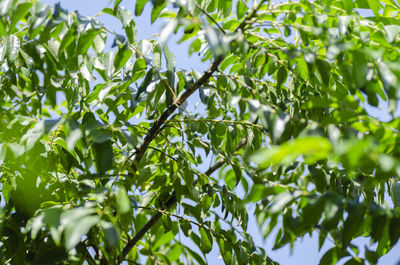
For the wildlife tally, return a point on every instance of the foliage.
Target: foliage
(101, 155)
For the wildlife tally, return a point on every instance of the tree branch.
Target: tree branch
(171, 201)
(210, 18)
(153, 220)
(153, 131)
(155, 128)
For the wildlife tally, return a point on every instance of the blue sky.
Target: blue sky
(306, 249)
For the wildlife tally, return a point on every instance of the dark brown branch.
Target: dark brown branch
(153, 220)
(155, 128)
(153, 132)
(171, 201)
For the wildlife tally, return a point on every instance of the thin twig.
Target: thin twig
(162, 152)
(210, 17)
(217, 121)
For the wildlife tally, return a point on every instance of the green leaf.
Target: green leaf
(170, 57)
(116, 5)
(259, 192)
(3, 29)
(130, 31)
(330, 257)
(167, 31)
(167, 223)
(103, 154)
(395, 193)
(353, 222)
(19, 12)
(16, 149)
(12, 48)
(375, 6)
(111, 234)
(68, 39)
(196, 256)
(3, 152)
(371, 256)
(35, 224)
(225, 250)
(123, 203)
(123, 55)
(102, 94)
(324, 70)
(227, 7)
(158, 6)
(313, 148)
(108, 62)
(281, 200)
(140, 64)
(206, 240)
(313, 210)
(140, 6)
(348, 5)
(126, 16)
(241, 9)
(388, 78)
(99, 42)
(281, 77)
(195, 46)
(186, 227)
(333, 210)
(74, 233)
(37, 131)
(157, 56)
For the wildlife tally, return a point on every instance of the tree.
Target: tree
(103, 163)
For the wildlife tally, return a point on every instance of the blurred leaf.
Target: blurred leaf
(103, 154)
(123, 203)
(312, 148)
(391, 32)
(375, 6)
(5, 6)
(167, 31)
(281, 200)
(16, 149)
(259, 192)
(395, 193)
(73, 232)
(3, 152)
(111, 235)
(12, 48)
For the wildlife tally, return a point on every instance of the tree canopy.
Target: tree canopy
(104, 158)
